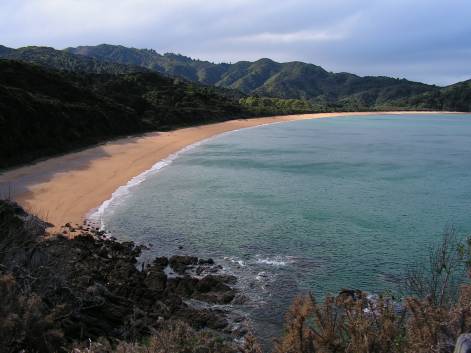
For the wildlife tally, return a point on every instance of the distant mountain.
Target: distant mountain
(170, 64)
(45, 112)
(267, 78)
(62, 60)
(316, 88)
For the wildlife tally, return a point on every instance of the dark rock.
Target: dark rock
(216, 297)
(230, 279)
(97, 283)
(215, 269)
(206, 262)
(240, 299)
(156, 280)
(179, 263)
(213, 289)
(203, 318)
(211, 283)
(161, 262)
(184, 286)
(200, 270)
(348, 294)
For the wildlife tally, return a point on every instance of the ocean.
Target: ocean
(315, 205)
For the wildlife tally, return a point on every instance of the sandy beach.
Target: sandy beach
(66, 188)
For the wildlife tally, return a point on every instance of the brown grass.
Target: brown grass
(360, 325)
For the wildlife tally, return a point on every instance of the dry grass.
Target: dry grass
(361, 325)
(174, 337)
(341, 325)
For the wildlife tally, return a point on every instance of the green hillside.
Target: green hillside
(62, 60)
(292, 80)
(456, 97)
(45, 112)
(318, 89)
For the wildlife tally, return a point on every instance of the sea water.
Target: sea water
(316, 205)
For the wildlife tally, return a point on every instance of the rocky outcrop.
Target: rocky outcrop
(101, 288)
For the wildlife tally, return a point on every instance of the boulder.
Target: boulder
(156, 280)
(160, 262)
(206, 262)
(179, 263)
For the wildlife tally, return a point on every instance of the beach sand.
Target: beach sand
(66, 188)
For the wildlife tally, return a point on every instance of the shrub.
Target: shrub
(174, 337)
(26, 322)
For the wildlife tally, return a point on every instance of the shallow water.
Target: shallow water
(314, 205)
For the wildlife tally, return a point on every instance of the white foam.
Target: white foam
(275, 261)
(235, 260)
(261, 276)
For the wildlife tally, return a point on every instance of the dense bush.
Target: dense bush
(44, 112)
(273, 106)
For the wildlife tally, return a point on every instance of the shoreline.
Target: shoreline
(69, 188)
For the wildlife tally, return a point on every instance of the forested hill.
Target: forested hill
(44, 112)
(456, 97)
(294, 80)
(311, 87)
(266, 77)
(62, 60)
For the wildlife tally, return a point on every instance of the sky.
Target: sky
(422, 40)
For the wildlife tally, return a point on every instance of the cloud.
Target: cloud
(292, 37)
(424, 40)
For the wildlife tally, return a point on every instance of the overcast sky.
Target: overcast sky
(424, 40)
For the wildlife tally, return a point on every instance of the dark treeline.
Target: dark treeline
(44, 112)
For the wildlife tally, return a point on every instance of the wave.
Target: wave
(275, 261)
(235, 260)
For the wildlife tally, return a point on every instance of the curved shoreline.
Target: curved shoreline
(65, 189)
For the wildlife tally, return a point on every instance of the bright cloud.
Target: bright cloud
(300, 36)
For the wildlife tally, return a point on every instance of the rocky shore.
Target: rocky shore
(89, 287)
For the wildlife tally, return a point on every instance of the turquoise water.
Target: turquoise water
(315, 205)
